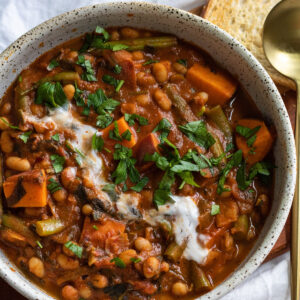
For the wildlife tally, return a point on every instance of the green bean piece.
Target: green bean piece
(241, 228)
(141, 43)
(20, 227)
(49, 227)
(174, 252)
(199, 278)
(216, 114)
(217, 150)
(180, 104)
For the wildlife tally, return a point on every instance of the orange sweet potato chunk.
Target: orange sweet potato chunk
(27, 189)
(148, 145)
(123, 126)
(262, 145)
(219, 85)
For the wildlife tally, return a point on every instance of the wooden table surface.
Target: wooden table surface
(283, 242)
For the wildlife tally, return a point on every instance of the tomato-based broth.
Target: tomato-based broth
(134, 167)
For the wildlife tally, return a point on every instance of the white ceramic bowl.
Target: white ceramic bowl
(224, 49)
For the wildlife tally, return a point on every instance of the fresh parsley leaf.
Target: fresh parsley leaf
(184, 166)
(53, 64)
(247, 133)
(25, 136)
(102, 31)
(113, 81)
(97, 142)
(163, 127)
(197, 132)
(162, 194)
(131, 118)
(188, 178)
(89, 74)
(87, 43)
(114, 134)
(160, 161)
(95, 227)
(126, 135)
(57, 162)
(51, 95)
(103, 121)
(241, 179)
(117, 69)
(118, 262)
(98, 43)
(229, 147)
(20, 78)
(55, 137)
(150, 61)
(215, 209)
(53, 186)
(235, 161)
(125, 166)
(78, 96)
(135, 260)
(182, 62)
(76, 249)
(140, 185)
(262, 168)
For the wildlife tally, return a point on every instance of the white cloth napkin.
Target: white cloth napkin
(271, 280)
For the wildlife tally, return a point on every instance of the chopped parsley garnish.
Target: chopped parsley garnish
(95, 227)
(163, 127)
(53, 64)
(97, 142)
(78, 96)
(131, 118)
(103, 121)
(53, 186)
(102, 31)
(229, 147)
(51, 95)
(182, 62)
(118, 262)
(135, 260)
(8, 124)
(55, 137)
(39, 244)
(20, 78)
(101, 104)
(76, 249)
(235, 161)
(125, 166)
(114, 134)
(57, 162)
(126, 135)
(89, 74)
(215, 209)
(113, 81)
(25, 136)
(150, 61)
(262, 169)
(247, 133)
(117, 69)
(197, 132)
(142, 183)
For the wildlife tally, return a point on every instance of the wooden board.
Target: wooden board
(283, 242)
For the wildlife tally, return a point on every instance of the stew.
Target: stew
(132, 167)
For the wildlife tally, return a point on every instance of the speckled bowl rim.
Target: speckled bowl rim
(256, 256)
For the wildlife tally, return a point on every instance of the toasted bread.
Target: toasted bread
(244, 19)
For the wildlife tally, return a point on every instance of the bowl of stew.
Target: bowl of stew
(145, 154)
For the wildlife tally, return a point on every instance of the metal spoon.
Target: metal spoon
(281, 42)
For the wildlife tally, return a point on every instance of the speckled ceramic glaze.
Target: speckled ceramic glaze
(224, 49)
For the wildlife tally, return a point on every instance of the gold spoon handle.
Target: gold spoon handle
(295, 254)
